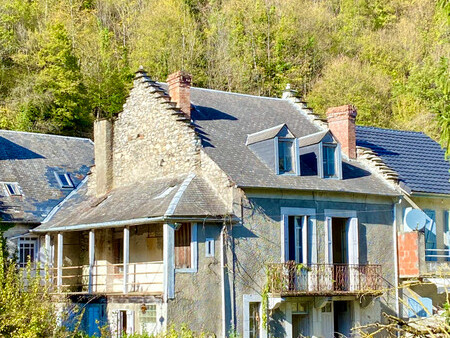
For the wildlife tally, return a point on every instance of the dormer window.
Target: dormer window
(320, 156)
(286, 156)
(64, 180)
(316, 154)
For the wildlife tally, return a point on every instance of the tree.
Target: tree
(60, 104)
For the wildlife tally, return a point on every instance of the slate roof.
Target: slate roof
(419, 161)
(223, 121)
(31, 160)
(182, 196)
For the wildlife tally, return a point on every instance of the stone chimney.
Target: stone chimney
(103, 140)
(180, 90)
(341, 122)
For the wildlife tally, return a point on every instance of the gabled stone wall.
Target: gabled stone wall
(151, 138)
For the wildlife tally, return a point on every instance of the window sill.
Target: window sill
(186, 270)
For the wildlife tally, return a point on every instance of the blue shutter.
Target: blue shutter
(446, 235)
(430, 236)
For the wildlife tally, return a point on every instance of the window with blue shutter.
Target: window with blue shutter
(430, 236)
(447, 235)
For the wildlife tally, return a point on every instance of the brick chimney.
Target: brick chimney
(103, 139)
(341, 121)
(180, 90)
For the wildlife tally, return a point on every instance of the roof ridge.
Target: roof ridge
(49, 135)
(395, 130)
(234, 93)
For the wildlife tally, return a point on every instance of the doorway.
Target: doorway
(340, 247)
(340, 253)
(342, 319)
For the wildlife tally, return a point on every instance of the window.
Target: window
(254, 320)
(430, 236)
(27, 250)
(286, 156)
(299, 308)
(308, 164)
(118, 254)
(298, 238)
(150, 314)
(209, 247)
(64, 180)
(13, 189)
(183, 246)
(329, 161)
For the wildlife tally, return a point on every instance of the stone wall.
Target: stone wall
(150, 138)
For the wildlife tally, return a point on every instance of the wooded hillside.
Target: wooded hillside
(63, 62)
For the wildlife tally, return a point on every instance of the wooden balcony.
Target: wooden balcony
(293, 279)
(141, 278)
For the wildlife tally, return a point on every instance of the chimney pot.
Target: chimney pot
(341, 121)
(179, 90)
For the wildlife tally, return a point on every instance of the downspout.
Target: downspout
(396, 278)
(222, 276)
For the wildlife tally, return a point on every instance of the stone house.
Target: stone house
(227, 212)
(37, 172)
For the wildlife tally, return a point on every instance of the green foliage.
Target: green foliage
(27, 313)
(62, 63)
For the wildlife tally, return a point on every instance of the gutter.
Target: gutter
(130, 222)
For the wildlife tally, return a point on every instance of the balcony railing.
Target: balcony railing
(109, 278)
(434, 255)
(291, 278)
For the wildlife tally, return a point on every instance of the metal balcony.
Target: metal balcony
(293, 279)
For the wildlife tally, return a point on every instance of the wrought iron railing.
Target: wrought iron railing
(291, 278)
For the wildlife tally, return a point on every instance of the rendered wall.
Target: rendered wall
(258, 241)
(198, 300)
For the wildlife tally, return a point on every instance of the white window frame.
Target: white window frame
(310, 214)
(27, 240)
(209, 247)
(15, 187)
(337, 161)
(194, 253)
(295, 159)
(247, 299)
(67, 177)
(353, 245)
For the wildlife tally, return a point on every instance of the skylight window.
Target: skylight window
(64, 180)
(13, 189)
(286, 156)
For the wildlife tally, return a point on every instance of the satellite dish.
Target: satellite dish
(416, 219)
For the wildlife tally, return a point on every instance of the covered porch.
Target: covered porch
(107, 261)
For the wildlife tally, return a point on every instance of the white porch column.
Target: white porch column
(126, 257)
(91, 259)
(60, 261)
(169, 261)
(48, 248)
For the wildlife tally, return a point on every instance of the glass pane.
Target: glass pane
(285, 156)
(329, 168)
(298, 239)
